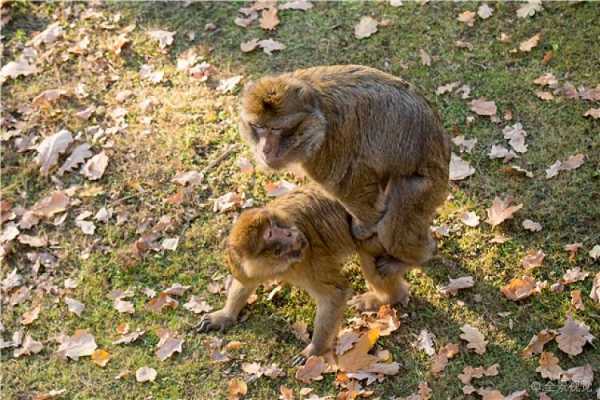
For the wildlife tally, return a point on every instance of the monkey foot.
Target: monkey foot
(366, 302)
(211, 322)
(298, 360)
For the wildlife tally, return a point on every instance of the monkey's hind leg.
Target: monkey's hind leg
(389, 289)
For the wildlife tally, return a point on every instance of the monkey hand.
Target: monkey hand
(365, 302)
(215, 321)
(362, 231)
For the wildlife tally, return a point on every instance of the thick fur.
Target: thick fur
(369, 139)
(324, 227)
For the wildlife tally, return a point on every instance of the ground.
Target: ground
(193, 123)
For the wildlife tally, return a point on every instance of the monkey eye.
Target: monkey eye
(277, 131)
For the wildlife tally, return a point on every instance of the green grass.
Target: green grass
(193, 124)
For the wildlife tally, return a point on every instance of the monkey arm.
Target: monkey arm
(237, 296)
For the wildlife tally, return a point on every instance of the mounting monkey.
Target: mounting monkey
(302, 238)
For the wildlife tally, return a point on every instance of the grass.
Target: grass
(192, 124)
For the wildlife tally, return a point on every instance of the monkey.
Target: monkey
(368, 139)
(302, 238)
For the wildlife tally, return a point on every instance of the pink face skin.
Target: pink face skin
(269, 146)
(288, 242)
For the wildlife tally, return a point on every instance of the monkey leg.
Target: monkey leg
(220, 320)
(404, 231)
(331, 303)
(390, 289)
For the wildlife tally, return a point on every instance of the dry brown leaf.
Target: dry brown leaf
(574, 275)
(595, 252)
(168, 344)
(50, 148)
(78, 156)
(161, 301)
(440, 360)
(484, 11)
(100, 357)
(29, 316)
(47, 97)
(28, 347)
(576, 301)
(249, 46)
(358, 357)
(581, 376)
(548, 366)
(469, 373)
(276, 189)
(592, 112)
(236, 389)
(537, 342)
(469, 218)
(129, 337)
(302, 5)
(573, 336)
(501, 210)
(425, 58)
(197, 305)
(515, 135)
(447, 88)
(164, 38)
(499, 151)
(300, 330)
(94, 168)
(527, 45)
(459, 168)
(21, 67)
(454, 285)
(465, 145)
(74, 306)
(520, 288)
(79, 345)
(547, 79)
(145, 374)
(529, 8)
(228, 201)
(366, 27)
(595, 292)
(33, 241)
(425, 342)
(573, 162)
(533, 259)
(474, 338)
(467, 17)
(311, 370)
(48, 35)
(269, 19)
(543, 95)
(531, 225)
(270, 45)
(123, 306)
(193, 178)
(483, 107)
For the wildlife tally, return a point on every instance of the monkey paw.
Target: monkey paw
(298, 360)
(361, 231)
(365, 302)
(388, 265)
(215, 321)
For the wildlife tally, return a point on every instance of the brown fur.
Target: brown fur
(367, 138)
(323, 230)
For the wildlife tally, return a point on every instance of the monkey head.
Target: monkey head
(281, 120)
(262, 246)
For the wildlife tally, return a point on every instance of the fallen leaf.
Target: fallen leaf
(311, 370)
(531, 225)
(50, 148)
(87, 227)
(170, 243)
(270, 45)
(543, 95)
(48, 35)
(527, 45)
(358, 357)
(300, 330)
(469, 218)
(515, 135)
(592, 112)
(145, 374)
(193, 178)
(302, 5)
(100, 357)
(123, 306)
(94, 168)
(366, 27)
(29, 316)
(467, 17)
(484, 11)
(229, 84)
(475, 340)
(595, 292)
(483, 107)
(518, 289)
(537, 342)
(197, 305)
(576, 301)
(47, 97)
(548, 366)
(227, 202)
(269, 19)
(465, 145)
(529, 9)
(447, 88)
(276, 189)
(345, 341)
(440, 360)
(574, 275)
(9, 232)
(533, 259)
(425, 58)
(28, 347)
(581, 376)
(79, 345)
(286, 393)
(459, 168)
(595, 252)
(12, 280)
(78, 156)
(236, 389)
(129, 338)
(546, 79)
(454, 285)
(499, 151)
(74, 306)
(161, 301)
(165, 38)
(168, 344)
(573, 336)
(249, 46)
(469, 373)
(573, 162)
(553, 170)
(425, 342)
(20, 67)
(33, 241)
(148, 73)
(501, 210)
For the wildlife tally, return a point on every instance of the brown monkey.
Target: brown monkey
(369, 139)
(302, 238)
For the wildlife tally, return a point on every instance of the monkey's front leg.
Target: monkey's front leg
(366, 207)
(331, 303)
(220, 320)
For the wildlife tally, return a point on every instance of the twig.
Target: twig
(216, 161)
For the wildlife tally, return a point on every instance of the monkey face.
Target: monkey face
(264, 245)
(281, 122)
